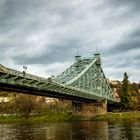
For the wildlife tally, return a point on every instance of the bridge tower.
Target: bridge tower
(86, 74)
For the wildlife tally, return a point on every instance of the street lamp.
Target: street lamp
(24, 70)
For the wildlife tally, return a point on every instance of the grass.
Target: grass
(59, 117)
(11, 119)
(117, 116)
(54, 117)
(47, 117)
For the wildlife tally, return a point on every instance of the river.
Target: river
(82, 130)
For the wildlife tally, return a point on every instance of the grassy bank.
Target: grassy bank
(47, 117)
(55, 117)
(58, 117)
(117, 116)
(11, 119)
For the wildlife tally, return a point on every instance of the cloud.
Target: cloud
(52, 54)
(45, 34)
(135, 3)
(127, 43)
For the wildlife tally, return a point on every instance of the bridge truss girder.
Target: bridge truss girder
(90, 80)
(88, 83)
(36, 86)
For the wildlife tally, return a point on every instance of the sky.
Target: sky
(44, 35)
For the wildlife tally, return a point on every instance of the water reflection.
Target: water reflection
(127, 130)
(86, 130)
(90, 130)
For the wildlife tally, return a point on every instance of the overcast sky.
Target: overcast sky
(44, 35)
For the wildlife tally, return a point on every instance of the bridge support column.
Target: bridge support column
(93, 108)
(76, 106)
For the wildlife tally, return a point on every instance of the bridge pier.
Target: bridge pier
(94, 108)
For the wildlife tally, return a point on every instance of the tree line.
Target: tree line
(26, 105)
(129, 94)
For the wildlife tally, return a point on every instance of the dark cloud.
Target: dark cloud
(134, 3)
(52, 54)
(126, 44)
(135, 34)
(137, 57)
(47, 32)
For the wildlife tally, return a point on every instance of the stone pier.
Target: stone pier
(94, 108)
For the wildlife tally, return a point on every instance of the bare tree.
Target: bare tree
(25, 104)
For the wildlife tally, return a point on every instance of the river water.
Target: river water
(84, 130)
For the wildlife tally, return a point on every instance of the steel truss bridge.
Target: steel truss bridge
(82, 81)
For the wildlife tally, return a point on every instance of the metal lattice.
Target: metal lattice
(86, 74)
(84, 80)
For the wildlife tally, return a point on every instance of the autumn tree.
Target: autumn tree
(25, 104)
(126, 100)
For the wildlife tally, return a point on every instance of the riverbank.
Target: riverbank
(59, 117)
(47, 117)
(117, 116)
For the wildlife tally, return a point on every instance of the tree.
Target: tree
(25, 104)
(126, 100)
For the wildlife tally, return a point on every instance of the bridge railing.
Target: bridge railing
(21, 74)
